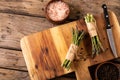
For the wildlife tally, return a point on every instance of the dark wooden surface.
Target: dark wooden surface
(23, 17)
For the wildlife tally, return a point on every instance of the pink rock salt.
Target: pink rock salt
(58, 11)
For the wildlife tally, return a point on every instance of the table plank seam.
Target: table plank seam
(20, 13)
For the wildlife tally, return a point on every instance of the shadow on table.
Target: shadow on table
(70, 76)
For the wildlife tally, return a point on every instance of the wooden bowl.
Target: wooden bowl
(55, 13)
(107, 71)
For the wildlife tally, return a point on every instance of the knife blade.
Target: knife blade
(109, 31)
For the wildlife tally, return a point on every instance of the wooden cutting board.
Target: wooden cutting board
(45, 51)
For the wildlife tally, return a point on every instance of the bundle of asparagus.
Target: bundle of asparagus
(77, 36)
(92, 29)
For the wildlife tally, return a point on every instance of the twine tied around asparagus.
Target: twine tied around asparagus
(77, 36)
(97, 47)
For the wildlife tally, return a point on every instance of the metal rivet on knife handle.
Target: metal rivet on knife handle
(106, 16)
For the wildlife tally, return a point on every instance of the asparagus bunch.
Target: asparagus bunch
(96, 44)
(77, 36)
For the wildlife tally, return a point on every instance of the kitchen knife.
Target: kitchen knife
(109, 31)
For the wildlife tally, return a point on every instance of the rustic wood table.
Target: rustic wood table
(19, 18)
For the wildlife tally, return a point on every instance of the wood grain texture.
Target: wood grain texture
(24, 7)
(6, 74)
(12, 59)
(81, 67)
(52, 44)
(47, 63)
(14, 27)
(78, 7)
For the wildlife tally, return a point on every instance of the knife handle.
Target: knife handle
(106, 16)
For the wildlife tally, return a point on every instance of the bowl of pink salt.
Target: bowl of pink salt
(57, 11)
